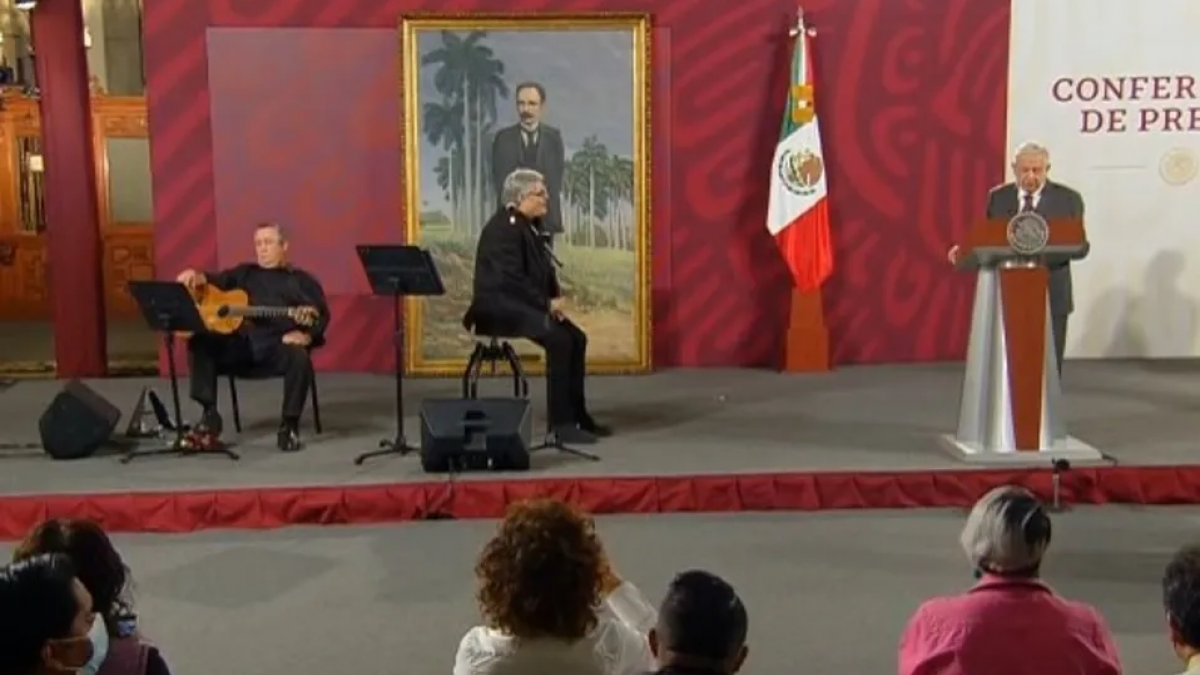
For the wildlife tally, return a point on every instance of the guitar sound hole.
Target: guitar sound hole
(223, 311)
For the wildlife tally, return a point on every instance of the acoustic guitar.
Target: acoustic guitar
(225, 311)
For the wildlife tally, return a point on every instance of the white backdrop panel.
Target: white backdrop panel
(1112, 87)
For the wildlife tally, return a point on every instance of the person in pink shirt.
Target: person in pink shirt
(1010, 622)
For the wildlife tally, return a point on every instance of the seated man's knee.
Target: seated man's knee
(297, 355)
(558, 339)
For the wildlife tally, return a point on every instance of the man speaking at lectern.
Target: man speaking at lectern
(1033, 191)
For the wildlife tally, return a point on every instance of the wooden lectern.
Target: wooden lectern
(1009, 412)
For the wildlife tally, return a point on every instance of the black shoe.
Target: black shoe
(593, 427)
(288, 439)
(572, 434)
(210, 424)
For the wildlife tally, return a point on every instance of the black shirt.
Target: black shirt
(276, 287)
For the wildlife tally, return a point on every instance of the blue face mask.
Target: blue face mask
(99, 637)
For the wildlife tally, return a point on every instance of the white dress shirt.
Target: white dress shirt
(618, 645)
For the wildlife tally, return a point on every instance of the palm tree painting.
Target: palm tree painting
(461, 77)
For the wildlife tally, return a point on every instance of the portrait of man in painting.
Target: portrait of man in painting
(566, 96)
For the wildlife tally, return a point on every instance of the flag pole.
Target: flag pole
(806, 346)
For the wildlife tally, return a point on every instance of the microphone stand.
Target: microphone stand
(552, 439)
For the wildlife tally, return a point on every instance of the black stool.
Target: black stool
(491, 350)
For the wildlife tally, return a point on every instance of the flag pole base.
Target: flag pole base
(806, 347)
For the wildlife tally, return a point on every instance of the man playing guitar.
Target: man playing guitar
(276, 345)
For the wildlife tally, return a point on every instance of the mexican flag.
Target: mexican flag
(798, 214)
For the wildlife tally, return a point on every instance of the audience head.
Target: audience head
(1181, 599)
(45, 616)
(270, 245)
(540, 576)
(96, 561)
(702, 625)
(1007, 533)
(525, 191)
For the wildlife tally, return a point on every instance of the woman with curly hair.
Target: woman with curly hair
(552, 604)
(116, 646)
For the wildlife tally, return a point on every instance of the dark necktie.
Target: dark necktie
(1028, 205)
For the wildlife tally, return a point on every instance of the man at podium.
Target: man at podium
(1033, 191)
(517, 294)
(272, 345)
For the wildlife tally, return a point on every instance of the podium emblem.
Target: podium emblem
(1028, 233)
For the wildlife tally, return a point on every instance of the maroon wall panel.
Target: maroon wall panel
(912, 99)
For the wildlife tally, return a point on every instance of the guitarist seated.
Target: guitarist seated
(278, 345)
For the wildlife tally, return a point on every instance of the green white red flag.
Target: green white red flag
(798, 213)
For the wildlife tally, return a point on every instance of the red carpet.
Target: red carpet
(363, 504)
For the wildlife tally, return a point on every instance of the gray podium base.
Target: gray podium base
(1073, 450)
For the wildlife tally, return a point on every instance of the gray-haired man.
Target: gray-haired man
(1034, 191)
(517, 294)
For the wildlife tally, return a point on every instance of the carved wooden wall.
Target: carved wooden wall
(128, 244)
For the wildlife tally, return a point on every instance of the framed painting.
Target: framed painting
(567, 95)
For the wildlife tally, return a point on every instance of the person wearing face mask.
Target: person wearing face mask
(118, 649)
(45, 617)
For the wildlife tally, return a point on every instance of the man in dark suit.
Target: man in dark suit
(1033, 191)
(702, 626)
(516, 293)
(529, 144)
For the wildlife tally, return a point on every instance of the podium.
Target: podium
(1010, 408)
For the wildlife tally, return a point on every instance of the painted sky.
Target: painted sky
(588, 76)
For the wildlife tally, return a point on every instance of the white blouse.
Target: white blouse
(618, 645)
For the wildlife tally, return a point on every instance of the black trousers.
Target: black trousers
(211, 356)
(1058, 325)
(566, 358)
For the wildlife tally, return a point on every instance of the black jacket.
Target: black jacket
(514, 279)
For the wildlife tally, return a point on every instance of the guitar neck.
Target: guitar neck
(261, 312)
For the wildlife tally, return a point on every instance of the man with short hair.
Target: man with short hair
(45, 617)
(1181, 600)
(1034, 191)
(702, 626)
(273, 345)
(517, 294)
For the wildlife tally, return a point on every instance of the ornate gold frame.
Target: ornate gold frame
(639, 25)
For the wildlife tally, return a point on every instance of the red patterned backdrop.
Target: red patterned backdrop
(304, 126)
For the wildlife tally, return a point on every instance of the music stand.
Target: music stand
(168, 308)
(398, 272)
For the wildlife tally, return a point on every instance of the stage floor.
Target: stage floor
(714, 422)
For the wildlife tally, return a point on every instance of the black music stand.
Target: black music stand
(398, 272)
(168, 308)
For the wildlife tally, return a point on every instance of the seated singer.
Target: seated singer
(277, 345)
(517, 294)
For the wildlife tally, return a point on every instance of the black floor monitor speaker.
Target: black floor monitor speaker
(77, 422)
(483, 434)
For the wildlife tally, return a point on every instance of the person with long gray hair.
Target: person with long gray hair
(1010, 622)
(517, 294)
